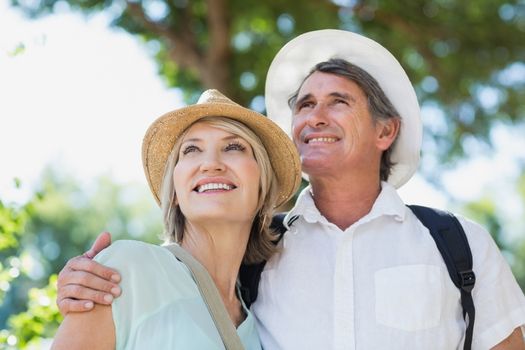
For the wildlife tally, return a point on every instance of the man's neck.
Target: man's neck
(344, 201)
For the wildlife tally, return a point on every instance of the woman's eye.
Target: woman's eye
(235, 147)
(190, 148)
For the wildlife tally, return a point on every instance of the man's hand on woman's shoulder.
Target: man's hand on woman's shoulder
(83, 282)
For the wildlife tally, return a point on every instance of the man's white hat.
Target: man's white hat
(295, 60)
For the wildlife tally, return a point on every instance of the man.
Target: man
(357, 269)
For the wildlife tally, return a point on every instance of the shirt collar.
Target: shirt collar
(305, 207)
(388, 203)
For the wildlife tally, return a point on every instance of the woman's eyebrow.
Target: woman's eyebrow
(193, 139)
(198, 139)
(232, 137)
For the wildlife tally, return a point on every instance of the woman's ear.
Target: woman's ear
(387, 131)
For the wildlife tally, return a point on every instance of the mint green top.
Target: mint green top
(160, 306)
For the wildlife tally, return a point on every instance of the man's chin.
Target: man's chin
(317, 167)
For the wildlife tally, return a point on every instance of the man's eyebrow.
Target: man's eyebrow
(302, 99)
(337, 94)
(343, 95)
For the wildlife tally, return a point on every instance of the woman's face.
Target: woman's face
(216, 176)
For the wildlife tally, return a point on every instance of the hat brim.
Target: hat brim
(162, 135)
(295, 60)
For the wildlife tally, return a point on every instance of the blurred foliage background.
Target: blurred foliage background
(466, 60)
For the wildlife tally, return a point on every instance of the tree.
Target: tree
(38, 237)
(519, 245)
(37, 324)
(507, 229)
(12, 222)
(465, 58)
(65, 221)
(42, 316)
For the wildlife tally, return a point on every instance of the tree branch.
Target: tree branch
(419, 38)
(219, 30)
(219, 51)
(182, 46)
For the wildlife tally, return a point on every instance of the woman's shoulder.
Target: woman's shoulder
(147, 266)
(136, 257)
(129, 251)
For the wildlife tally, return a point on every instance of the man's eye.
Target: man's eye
(190, 148)
(305, 105)
(235, 146)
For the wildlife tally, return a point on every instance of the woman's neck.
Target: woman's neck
(220, 249)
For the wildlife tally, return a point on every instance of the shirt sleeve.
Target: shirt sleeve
(142, 267)
(498, 299)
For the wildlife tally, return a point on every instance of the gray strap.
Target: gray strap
(211, 297)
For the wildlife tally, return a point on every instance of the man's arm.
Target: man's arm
(83, 282)
(513, 342)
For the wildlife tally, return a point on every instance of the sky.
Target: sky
(80, 96)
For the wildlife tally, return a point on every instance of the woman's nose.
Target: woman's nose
(212, 162)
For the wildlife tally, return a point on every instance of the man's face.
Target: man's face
(333, 129)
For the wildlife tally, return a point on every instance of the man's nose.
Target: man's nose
(318, 116)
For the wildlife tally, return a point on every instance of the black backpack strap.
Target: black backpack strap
(250, 275)
(453, 245)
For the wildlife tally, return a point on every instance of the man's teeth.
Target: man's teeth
(213, 186)
(323, 139)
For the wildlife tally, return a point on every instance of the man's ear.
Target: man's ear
(387, 131)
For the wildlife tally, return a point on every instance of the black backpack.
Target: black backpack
(451, 242)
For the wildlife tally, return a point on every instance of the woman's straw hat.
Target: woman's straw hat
(164, 132)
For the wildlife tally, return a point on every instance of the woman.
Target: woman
(217, 170)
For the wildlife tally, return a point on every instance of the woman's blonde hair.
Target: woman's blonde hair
(260, 246)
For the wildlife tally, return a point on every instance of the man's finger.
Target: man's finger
(92, 267)
(66, 306)
(89, 280)
(73, 291)
(103, 241)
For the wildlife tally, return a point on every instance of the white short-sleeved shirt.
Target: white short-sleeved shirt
(161, 307)
(379, 284)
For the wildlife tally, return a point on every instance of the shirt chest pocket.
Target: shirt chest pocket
(408, 297)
